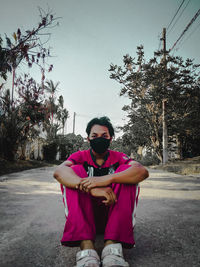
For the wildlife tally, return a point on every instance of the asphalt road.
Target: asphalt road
(32, 220)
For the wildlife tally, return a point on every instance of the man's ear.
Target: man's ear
(88, 139)
(111, 139)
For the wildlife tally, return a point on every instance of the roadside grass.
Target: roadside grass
(21, 165)
(185, 166)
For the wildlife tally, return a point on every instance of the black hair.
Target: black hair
(103, 121)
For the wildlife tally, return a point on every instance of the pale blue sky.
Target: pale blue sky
(94, 33)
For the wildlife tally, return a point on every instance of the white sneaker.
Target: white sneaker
(112, 256)
(87, 258)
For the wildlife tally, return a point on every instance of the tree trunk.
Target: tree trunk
(23, 151)
(179, 147)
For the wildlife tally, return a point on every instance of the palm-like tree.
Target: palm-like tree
(52, 89)
(65, 116)
(62, 113)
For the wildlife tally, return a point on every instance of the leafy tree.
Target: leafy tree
(147, 83)
(57, 114)
(21, 118)
(28, 46)
(121, 145)
(69, 144)
(20, 121)
(52, 89)
(85, 145)
(62, 113)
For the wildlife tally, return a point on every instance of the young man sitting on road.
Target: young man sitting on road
(100, 193)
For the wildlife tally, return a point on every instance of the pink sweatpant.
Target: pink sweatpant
(86, 215)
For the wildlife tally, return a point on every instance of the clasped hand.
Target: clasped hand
(98, 187)
(86, 184)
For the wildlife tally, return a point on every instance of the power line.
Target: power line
(175, 14)
(184, 41)
(179, 17)
(187, 27)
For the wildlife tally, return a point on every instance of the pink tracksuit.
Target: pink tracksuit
(87, 215)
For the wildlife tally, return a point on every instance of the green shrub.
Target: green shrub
(50, 151)
(149, 159)
(63, 151)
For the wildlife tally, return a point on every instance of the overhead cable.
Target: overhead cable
(187, 27)
(183, 41)
(175, 14)
(178, 17)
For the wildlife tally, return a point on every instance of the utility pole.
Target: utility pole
(164, 135)
(13, 84)
(74, 122)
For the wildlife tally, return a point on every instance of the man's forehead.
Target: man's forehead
(99, 128)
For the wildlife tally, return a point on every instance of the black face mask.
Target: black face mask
(100, 144)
